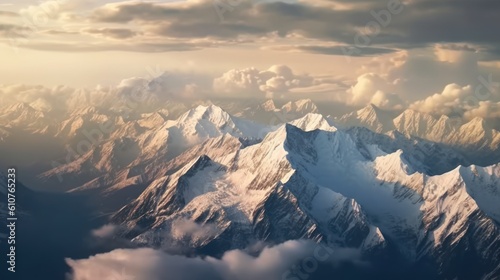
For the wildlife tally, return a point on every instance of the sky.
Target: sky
(439, 57)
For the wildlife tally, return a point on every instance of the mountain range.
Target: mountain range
(402, 187)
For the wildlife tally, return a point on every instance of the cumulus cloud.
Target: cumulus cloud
(272, 263)
(466, 101)
(373, 88)
(424, 72)
(276, 81)
(485, 109)
(247, 81)
(446, 79)
(450, 100)
(138, 93)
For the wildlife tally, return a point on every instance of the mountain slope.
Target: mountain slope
(345, 197)
(477, 140)
(131, 145)
(370, 117)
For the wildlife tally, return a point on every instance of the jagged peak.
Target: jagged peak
(290, 128)
(479, 126)
(87, 110)
(198, 164)
(313, 121)
(395, 161)
(369, 112)
(395, 134)
(413, 114)
(444, 118)
(41, 105)
(301, 104)
(268, 105)
(370, 108)
(157, 116)
(306, 101)
(19, 106)
(477, 122)
(205, 112)
(280, 135)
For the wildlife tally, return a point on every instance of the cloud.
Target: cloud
(146, 93)
(247, 81)
(347, 50)
(44, 98)
(8, 14)
(276, 81)
(373, 88)
(419, 23)
(272, 263)
(466, 101)
(60, 32)
(416, 74)
(105, 231)
(365, 28)
(186, 228)
(145, 47)
(451, 100)
(389, 101)
(13, 31)
(455, 53)
(486, 109)
(115, 33)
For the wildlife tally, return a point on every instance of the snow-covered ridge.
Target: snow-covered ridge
(336, 190)
(404, 182)
(476, 139)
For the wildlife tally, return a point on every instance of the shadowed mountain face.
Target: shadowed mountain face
(408, 196)
(327, 186)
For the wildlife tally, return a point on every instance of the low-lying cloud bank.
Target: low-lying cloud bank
(440, 82)
(282, 261)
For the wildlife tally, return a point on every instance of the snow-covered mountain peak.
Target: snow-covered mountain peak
(393, 165)
(419, 124)
(371, 117)
(305, 103)
(477, 123)
(478, 134)
(198, 164)
(313, 121)
(301, 106)
(24, 116)
(211, 121)
(17, 107)
(268, 105)
(42, 105)
(211, 113)
(22, 110)
(369, 111)
(84, 111)
(416, 118)
(152, 120)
